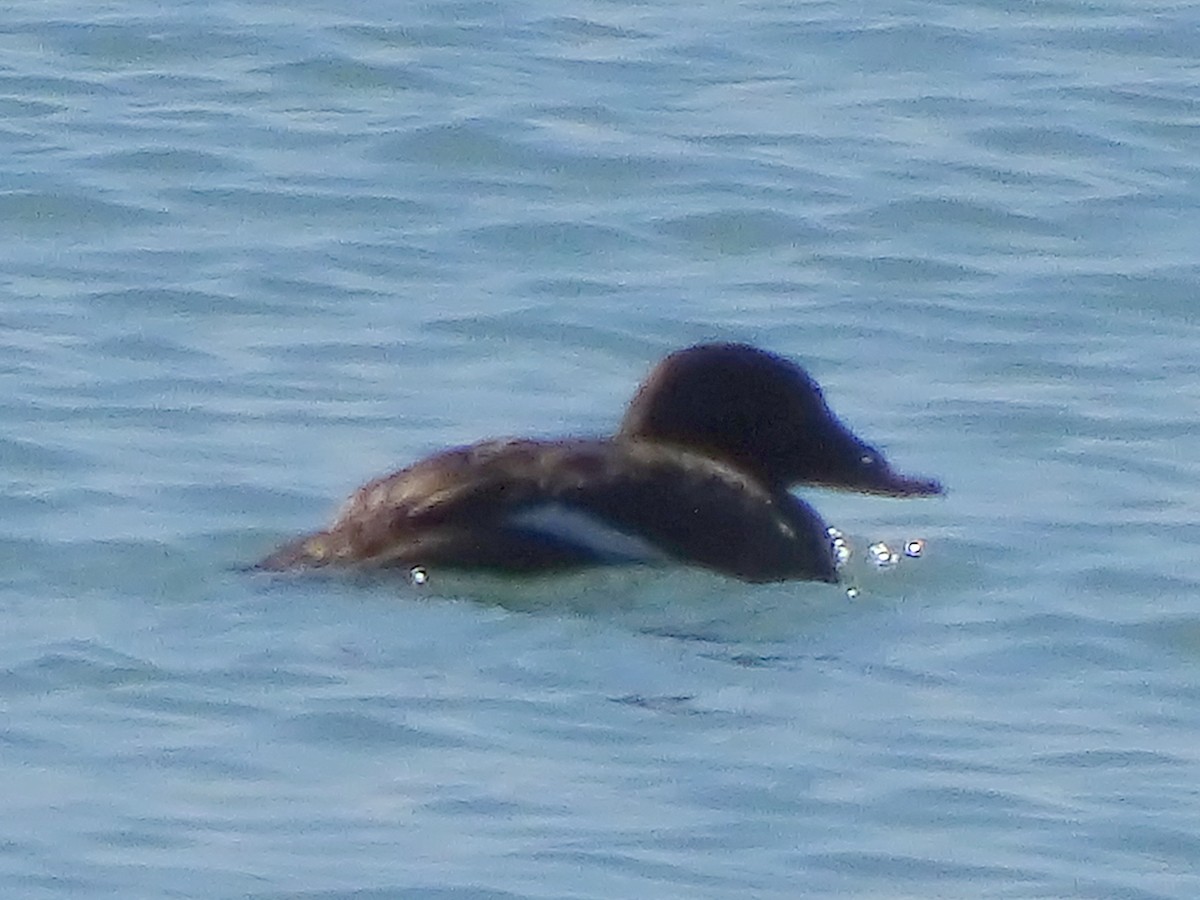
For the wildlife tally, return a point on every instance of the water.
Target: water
(257, 254)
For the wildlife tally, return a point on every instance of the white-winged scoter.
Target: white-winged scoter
(697, 474)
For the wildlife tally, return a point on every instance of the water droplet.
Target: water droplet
(914, 548)
(840, 546)
(882, 555)
(418, 576)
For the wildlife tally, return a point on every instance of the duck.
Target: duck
(699, 473)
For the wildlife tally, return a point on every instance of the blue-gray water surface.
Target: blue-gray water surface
(257, 253)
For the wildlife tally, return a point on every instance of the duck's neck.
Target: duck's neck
(716, 451)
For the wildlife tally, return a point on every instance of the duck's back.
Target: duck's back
(527, 506)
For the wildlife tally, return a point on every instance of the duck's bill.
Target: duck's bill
(893, 484)
(885, 482)
(857, 466)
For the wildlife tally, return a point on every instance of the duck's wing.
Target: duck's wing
(702, 512)
(413, 515)
(538, 505)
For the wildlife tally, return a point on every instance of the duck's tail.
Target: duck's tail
(308, 551)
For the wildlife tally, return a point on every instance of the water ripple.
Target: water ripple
(256, 255)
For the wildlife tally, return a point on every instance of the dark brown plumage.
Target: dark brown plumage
(697, 474)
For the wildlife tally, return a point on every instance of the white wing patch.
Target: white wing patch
(575, 526)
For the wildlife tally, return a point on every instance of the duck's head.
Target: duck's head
(764, 415)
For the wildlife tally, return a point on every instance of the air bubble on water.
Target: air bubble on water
(418, 576)
(883, 556)
(852, 593)
(840, 546)
(914, 547)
